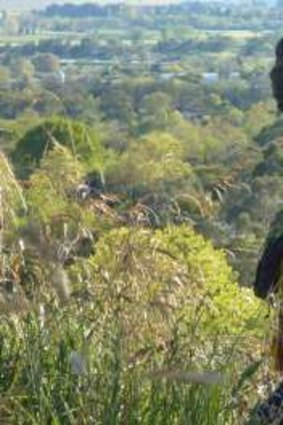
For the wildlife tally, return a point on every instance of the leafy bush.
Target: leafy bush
(83, 142)
(172, 279)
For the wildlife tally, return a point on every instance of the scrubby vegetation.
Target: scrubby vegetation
(140, 169)
(106, 319)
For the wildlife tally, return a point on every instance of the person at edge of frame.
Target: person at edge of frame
(269, 278)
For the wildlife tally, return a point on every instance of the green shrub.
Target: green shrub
(83, 142)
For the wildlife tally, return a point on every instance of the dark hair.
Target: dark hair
(276, 76)
(269, 268)
(279, 50)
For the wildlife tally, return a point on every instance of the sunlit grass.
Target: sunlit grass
(53, 373)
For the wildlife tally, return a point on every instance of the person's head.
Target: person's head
(279, 51)
(276, 76)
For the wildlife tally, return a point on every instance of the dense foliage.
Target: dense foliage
(140, 170)
(84, 291)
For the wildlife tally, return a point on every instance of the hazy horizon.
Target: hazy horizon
(20, 5)
(31, 4)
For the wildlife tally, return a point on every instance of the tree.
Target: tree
(258, 117)
(46, 63)
(83, 141)
(4, 76)
(154, 164)
(23, 70)
(155, 112)
(10, 24)
(161, 280)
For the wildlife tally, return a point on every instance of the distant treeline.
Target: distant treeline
(92, 9)
(84, 10)
(86, 48)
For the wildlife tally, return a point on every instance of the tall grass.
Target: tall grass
(53, 374)
(130, 342)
